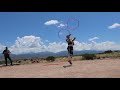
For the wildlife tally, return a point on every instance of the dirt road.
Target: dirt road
(107, 68)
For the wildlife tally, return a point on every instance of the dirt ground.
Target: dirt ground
(107, 68)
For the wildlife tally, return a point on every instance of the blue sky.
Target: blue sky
(103, 25)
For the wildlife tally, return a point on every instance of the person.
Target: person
(70, 47)
(6, 53)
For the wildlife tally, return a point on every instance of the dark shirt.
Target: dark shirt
(6, 53)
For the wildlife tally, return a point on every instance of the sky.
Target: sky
(25, 32)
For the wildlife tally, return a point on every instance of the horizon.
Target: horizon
(25, 32)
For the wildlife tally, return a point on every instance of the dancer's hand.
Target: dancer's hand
(74, 38)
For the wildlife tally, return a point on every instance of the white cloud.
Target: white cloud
(81, 46)
(61, 25)
(115, 25)
(51, 22)
(27, 44)
(2, 47)
(56, 24)
(107, 45)
(94, 38)
(34, 44)
(28, 41)
(57, 47)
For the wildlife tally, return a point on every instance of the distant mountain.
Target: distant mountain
(46, 54)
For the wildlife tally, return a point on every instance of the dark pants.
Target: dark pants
(7, 57)
(70, 50)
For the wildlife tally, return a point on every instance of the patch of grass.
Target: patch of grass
(88, 56)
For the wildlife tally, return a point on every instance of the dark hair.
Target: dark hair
(68, 36)
(6, 48)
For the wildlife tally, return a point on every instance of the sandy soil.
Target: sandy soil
(107, 68)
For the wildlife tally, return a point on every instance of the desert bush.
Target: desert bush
(19, 61)
(108, 51)
(88, 56)
(117, 51)
(25, 59)
(98, 58)
(50, 58)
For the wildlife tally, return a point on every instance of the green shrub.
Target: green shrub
(2, 62)
(88, 56)
(108, 51)
(50, 58)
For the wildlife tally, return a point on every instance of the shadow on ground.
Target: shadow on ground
(8, 65)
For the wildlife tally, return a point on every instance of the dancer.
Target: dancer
(70, 47)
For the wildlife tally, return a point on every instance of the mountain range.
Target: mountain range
(46, 54)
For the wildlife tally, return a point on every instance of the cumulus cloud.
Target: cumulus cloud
(81, 46)
(28, 41)
(35, 44)
(56, 47)
(61, 25)
(56, 23)
(51, 22)
(2, 47)
(107, 45)
(28, 44)
(115, 25)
